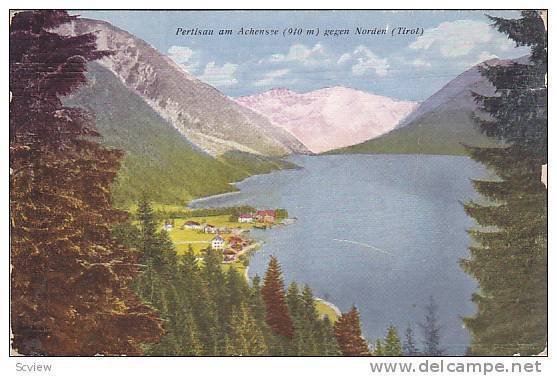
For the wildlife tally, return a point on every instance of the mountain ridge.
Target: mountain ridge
(204, 115)
(318, 117)
(158, 161)
(442, 123)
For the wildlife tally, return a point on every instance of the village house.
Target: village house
(267, 216)
(235, 239)
(236, 243)
(209, 229)
(245, 218)
(229, 255)
(192, 225)
(217, 242)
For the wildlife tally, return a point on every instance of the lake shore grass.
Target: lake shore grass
(325, 307)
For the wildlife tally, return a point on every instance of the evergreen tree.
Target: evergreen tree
(509, 254)
(327, 339)
(349, 334)
(197, 301)
(379, 348)
(127, 234)
(148, 240)
(247, 336)
(218, 319)
(432, 330)
(393, 347)
(167, 346)
(70, 281)
(257, 305)
(310, 325)
(157, 255)
(306, 321)
(190, 341)
(210, 312)
(293, 299)
(237, 290)
(294, 303)
(409, 346)
(277, 314)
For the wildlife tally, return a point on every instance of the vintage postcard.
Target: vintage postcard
(367, 183)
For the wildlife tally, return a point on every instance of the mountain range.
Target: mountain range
(319, 118)
(442, 123)
(205, 116)
(159, 161)
(185, 139)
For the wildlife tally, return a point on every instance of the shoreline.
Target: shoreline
(234, 183)
(252, 247)
(201, 199)
(257, 245)
(335, 309)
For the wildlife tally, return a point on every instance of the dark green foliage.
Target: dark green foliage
(509, 255)
(409, 346)
(247, 335)
(327, 339)
(256, 303)
(233, 211)
(158, 160)
(393, 347)
(526, 31)
(312, 336)
(246, 164)
(518, 110)
(431, 330)
(379, 349)
(281, 214)
(207, 311)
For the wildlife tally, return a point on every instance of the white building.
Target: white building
(209, 229)
(192, 225)
(245, 218)
(217, 243)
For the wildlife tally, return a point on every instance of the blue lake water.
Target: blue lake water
(382, 232)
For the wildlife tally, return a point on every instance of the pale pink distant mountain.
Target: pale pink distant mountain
(329, 118)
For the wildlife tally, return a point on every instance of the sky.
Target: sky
(401, 66)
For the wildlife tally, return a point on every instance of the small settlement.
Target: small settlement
(227, 234)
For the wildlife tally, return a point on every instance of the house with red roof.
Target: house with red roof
(267, 216)
(245, 218)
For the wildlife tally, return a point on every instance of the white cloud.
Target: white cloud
(220, 76)
(300, 53)
(328, 62)
(344, 58)
(362, 61)
(272, 78)
(485, 56)
(367, 61)
(180, 54)
(460, 38)
(421, 63)
(184, 56)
